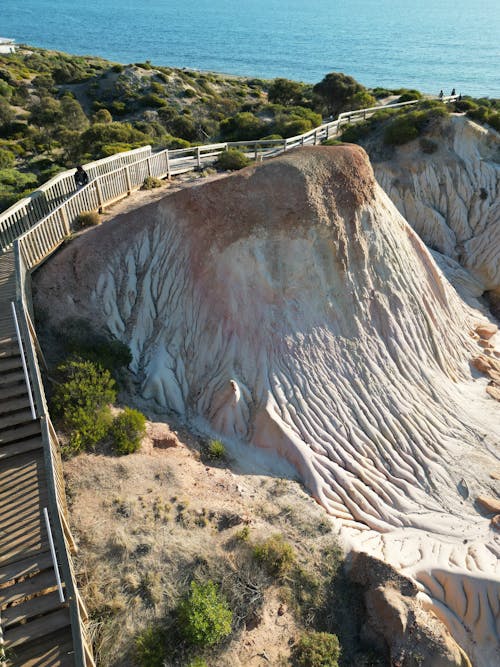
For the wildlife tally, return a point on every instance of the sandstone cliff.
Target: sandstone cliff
(290, 308)
(452, 196)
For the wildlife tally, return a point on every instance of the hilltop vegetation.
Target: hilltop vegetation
(58, 110)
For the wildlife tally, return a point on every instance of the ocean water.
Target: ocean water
(425, 44)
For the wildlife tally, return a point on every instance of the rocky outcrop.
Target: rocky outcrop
(452, 197)
(396, 622)
(291, 310)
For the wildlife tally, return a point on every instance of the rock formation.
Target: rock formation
(290, 308)
(452, 197)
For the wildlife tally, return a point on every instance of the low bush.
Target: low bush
(150, 182)
(204, 616)
(86, 219)
(82, 400)
(400, 131)
(275, 554)
(317, 649)
(150, 647)
(232, 160)
(127, 431)
(409, 95)
(216, 450)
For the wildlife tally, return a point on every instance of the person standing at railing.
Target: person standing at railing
(81, 177)
(453, 93)
(441, 95)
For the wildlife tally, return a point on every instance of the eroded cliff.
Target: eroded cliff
(290, 308)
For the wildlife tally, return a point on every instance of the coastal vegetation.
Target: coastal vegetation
(58, 110)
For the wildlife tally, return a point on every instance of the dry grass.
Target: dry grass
(150, 522)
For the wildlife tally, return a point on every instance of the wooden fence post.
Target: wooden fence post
(148, 163)
(99, 194)
(127, 178)
(167, 162)
(65, 221)
(284, 146)
(198, 158)
(315, 137)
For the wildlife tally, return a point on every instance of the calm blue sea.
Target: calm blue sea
(424, 44)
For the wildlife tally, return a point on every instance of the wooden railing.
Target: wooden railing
(57, 507)
(28, 211)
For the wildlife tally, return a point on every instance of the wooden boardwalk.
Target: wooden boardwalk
(34, 625)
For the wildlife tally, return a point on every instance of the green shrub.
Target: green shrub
(81, 399)
(197, 662)
(465, 105)
(204, 616)
(317, 649)
(232, 160)
(7, 159)
(493, 120)
(216, 450)
(400, 131)
(275, 554)
(86, 219)
(409, 95)
(150, 647)
(127, 431)
(150, 182)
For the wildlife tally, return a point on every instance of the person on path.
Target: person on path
(81, 177)
(453, 92)
(441, 95)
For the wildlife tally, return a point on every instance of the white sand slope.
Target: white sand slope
(290, 307)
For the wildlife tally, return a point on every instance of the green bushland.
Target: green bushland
(127, 431)
(87, 219)
(276, 554)
(81, 399)
(204, 617)
(232, 160)
(317, 649)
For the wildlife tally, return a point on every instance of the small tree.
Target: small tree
(286, 92)
(204, 615)
(334, 91)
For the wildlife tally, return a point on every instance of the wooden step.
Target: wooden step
(10, 363)
(37, 629)
(25, 567)
(21, 417)
(9, 348)
(11, 377)
(33, 586)
(16, 448)
(14, 389)
(20, 432)
(54, 650)
(14, 404)
(20, 613)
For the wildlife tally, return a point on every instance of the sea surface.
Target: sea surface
(425, 44)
